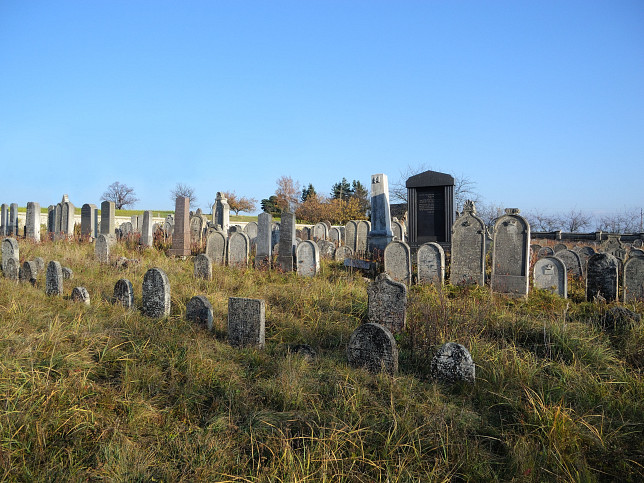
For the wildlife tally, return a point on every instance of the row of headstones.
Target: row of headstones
(9, 221)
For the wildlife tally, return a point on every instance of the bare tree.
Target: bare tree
(121, 194)
(288, 193)
(239, 203)
(628, 221)
(575, 220)
(181, 189)
(540, 221)
(489, 212)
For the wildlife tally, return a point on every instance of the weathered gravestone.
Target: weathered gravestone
(156, 293)
(287, 244)
(102, 248)
(306, 233)
(221, 213)
(40, 264)
(601, 277)
(124, 293)
(327, 249)
(431, 263)
(634, 279)
(511, 254)
(251, 230)
(380, 234)
(9, 251)
(88, 219)
(80, 294)
(197, 223)
(350, 234)
(216, 247)
(181, 232)
(638, 242)
(238, 250)
(320, 231)
(398, 231)
(13, 219)
(263, 242)
(397, 258)
(246, 322)
(12, 270)
(453, 363)
(362, 233)
(550, 274)
(68, 273)
(468, 248)
(199, 311)
(635, 252)
(559, 247)
(4, 219)
(335, 236)
(373, 347)
(54, 279)
(308, 259)
(342, 252)
(572, 261)
(108, 222)
(28, 272)
(203, 267)
(32, 223)
(545, 252)
(146, 230)
(387, 303)
(614, 246)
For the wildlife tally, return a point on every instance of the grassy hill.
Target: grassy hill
(101, 393)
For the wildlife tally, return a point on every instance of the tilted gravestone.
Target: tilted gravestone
(511, 254)
(342, 252)
(387, 303)
(203, 267)
(308, 259)
(238, 250)
(550, 274)
(572, 261)
(102, 248)
(468, 248)
(216, 247)
(199, 311)
(602, 277)
(287, 244)
(124, 293)
(32, 222)
(350, 234)
(431, 263)
(181, 231)
(397, 258)
(373, 347)
(80, 294)
(263, 242)
(29, 272)
(246, 322)
(453, 363)
(10, 250)
(54, 279)
(88, 219)
(634, 279)
(156, 293)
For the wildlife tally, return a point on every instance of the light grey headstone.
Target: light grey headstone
(511, 254)
(350, 234)
(634, 279)
(398, 230)
(468, 248)
(216, 247)
(12, 270)
(453, 363)
(156, 293)
(221, 213)
(387, 301)
(54, 279)
(33, 221)
(342, 252)
(40, 264)
(124, 293)
(550, 274)
(320, 231)
(68, 273)
(146, 229)
(196, 227)
(614, 246)
(263, 242)
(199, 311)
(287, 244)
(102, 248)
(431, 263)
(308, 259)
(335, 236)
(380, 234)
(572, 261)
(203, 267)
(80, 294)
(251, 230)
(397, 257)
(238, 250)
(373, 347)
(602, 277)
(88, 218)
(275, 237)
(29, 272)
(327, 249)
(10, 250)
(362, 232)
(246, 322)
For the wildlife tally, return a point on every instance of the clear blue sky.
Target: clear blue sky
(541, 103)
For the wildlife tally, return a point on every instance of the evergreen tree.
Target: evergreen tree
(269, 205)
(308, 192)
(341, 190)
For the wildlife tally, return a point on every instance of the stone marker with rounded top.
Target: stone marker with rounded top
(431, 263)
(511, 254)
(54, 279)
(342, 252)
(572, 261)
(80, 294)
(216, 247)
(203, 267)
(550, 274)
(29, 272)
(387, 303)
(246, 322)
(199, 310)
(634, 279)
(397, 257)
(156, 293)
(468, 248)
(124, 293)
(602, 277)
(373, 347)
(308, 259)
(238, 250)
(453, 363)
(12, 270)
(10, 250)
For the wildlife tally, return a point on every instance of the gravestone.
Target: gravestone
(216, 247)
(468, 248)
(263, 242)
(51, 220)
(68, 273)
(246, 322)
(13, 219)
(387, 302)
(572, 261)
(638, 242)
(4, 219)
(350, 234)
(430, 206)
(305, 233)
(397, 258)
(308, 259)
(238, 250)
(380, 234)
(54, 279)
(373, 347)
(67, 217)
(275, 237)
(511, 254)
(634, 279)
(342, 252)
(559, 247)
(181, 233)
(327, 249)
(32, 223)
(584, 254)
(199, 311)
(156, 293)
(362, 233)
(221, 213)
(134, 219)
(102, 248)
(614, 246)
(88, 219)
(40, 264)
(197, 224)
(335, 236)
(453, 363)
(398, 231)
(10, 250)
(80, 294)
(203, 267)
(287, 244)
(146, 230)
(635, 252)
(124, 293)
(550, 274)
(125, 229)
(12, 270)
(431, 263)
(319, 231)
(602, 277)
(251, 230)
(545, 252)
(108, 222)
(28, 272)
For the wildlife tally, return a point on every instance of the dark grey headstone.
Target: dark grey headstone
(387, 301)
(545, 252)
(203, 267)
(199, 310)
(373, 347)
(634, 279)
(156, 293)
(453, 363)
(88, 218)
(80, 294)
(102, 248)
(350, 234)
(10, 250)
(54, 279)
(327, 249)
(572, 261)
(263, 243)
(29, 272)
(286, 247)
(601, 277)
(124, 293)
(246, 322)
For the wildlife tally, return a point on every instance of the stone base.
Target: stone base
(179, 252)
(378, 242)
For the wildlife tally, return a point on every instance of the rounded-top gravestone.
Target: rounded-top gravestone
(156, 293)
(453, 363)
(124, 293)
(373, 347)
(80, 294)
(54, 279)
(203, 267)
(601, 277)
(199, 310)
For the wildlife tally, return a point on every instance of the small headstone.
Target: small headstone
(572, 261)
(203, 267)
(308, 259)
(80, 294)
(373, 347)
(431, 263)
(545, 252)
(196, 227)
(634, 279)
(398, 230)
(397, 257)
(4, 220)
(342, 252)
(559, 247)
(124, 293)
(468, 248)
(387, 301)
(327, 249)
(54, 279)
(68, 273)
(601, 277)
(12, 270)
(199, 310)
(453, 363)
(638, 242)
(102, 248)
(28, 272)
(636, 252)
(550, 274)
(251, 230)
(238, 250)
(246, 322)
(156, 293)
(10, 250)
